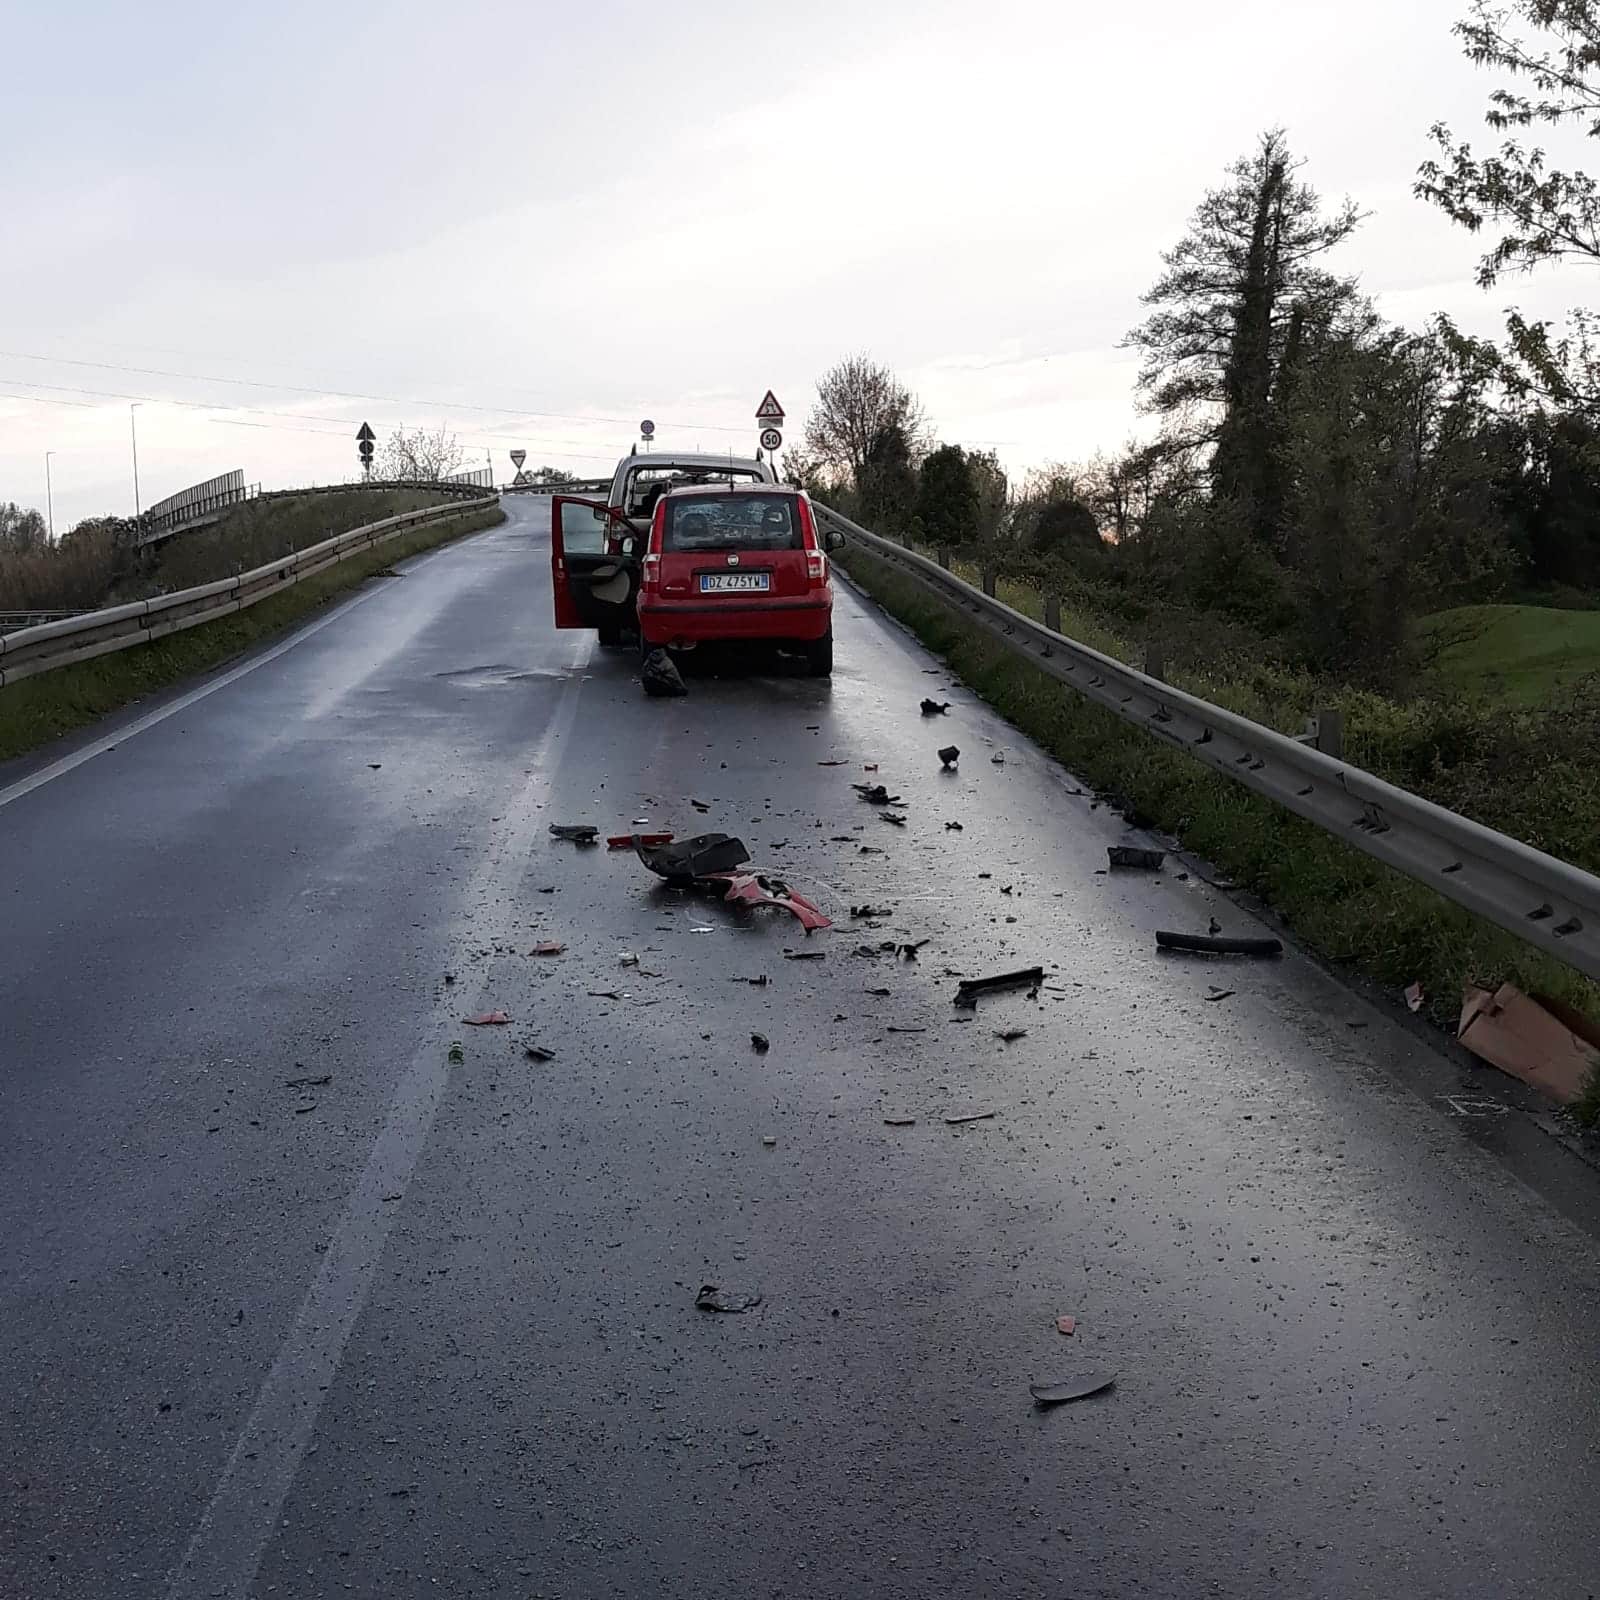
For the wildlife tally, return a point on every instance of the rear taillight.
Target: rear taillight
(650, 576)
(816, 567)
(816, 562)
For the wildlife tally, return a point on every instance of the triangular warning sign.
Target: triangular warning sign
(366, 431)
(769, 410)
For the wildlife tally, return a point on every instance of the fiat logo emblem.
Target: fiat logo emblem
(733, 561)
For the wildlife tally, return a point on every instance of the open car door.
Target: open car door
(594, 567)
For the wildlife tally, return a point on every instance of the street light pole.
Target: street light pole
(49, 495)
(133, 431)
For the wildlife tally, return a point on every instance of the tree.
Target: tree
(1238, 292)
(21, 532)
(887, 480)
(419, 456)
(861, 405)
(1538, 212)
(947, 499)
(992, 493)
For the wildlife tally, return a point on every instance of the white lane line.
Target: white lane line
(59, 769)
(226, 1551)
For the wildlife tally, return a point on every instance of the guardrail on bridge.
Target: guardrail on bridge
(1547, 902)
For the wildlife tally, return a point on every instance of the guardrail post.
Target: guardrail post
(1330, 733)
(1052, 612)
(944, 558)
(988, 581)
(1155, 662)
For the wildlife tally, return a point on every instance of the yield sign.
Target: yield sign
(366, 436)
(517, 458)
(769, 410)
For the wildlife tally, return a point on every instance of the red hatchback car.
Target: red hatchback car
(720, 562)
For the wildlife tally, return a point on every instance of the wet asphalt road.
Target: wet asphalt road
(428, 1328)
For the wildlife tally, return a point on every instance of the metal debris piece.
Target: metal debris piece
(309, 1083)
(769, 1141)
(899, 1122)
(998, 759)
(548, 947)
(876, 794)
(950, 755)
(626, 841)
(881, 993)
(487, 1019)
(908, 951)
(660, 676)
(628, 959)
(684, 860)
(907, 1030)
(1129, 855)
(805, 955)
(935, 708)
(871, 911)
(603, 994)
(969, 1116)
(1204, 944)
(712, 1298)
(576, 832)
(755, 983)
(1055, 1394)
(968, 990)
(1010, 1035)
(537, 1052)
(895, 817)
(1220, 994)
(833, 763)
(760, 1042)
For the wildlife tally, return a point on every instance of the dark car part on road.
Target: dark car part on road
(950, 755)
(712, 1298)
(893, 818)
(576, 832)
(537, 1052)
(309, 1083)
(969, 1116)
(1204, 944)
(761, 1043)
(805, 955)
(1055, 1394)
(935, 708)
(684, 860)
(660, 676)
(968, 990)
(875, 794)
(1010, 1035)
(625, 841)
(1128, 855)
(548, 947)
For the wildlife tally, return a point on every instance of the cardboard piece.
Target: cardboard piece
(1532, 1037)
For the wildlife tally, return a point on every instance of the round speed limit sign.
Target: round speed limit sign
(771, 439)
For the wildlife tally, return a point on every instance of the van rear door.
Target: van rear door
(593, 586)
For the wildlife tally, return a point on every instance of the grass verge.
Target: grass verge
(40, 709)
(1351, 909)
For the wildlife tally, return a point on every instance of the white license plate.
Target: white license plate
(734, 582)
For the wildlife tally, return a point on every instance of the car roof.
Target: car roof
(732, 488)
(667, 461)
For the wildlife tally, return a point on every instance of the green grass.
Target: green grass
(1517, 655)
(40, 709)
(1343, 904)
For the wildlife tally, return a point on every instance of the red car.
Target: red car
(721, 562)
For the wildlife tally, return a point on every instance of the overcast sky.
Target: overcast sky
(538, 224)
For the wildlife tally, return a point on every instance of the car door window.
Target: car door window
(583, 529)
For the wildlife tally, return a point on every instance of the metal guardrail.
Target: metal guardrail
(577, 486)
(95, 633)
(1547, 902)
(201, 502)
(11, 621)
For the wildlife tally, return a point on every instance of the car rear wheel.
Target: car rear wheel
(819, 655)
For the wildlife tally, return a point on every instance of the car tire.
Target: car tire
(819, 656)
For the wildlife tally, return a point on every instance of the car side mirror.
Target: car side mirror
(628, 545)
(832, 539)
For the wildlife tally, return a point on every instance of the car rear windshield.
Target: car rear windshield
(732, 522)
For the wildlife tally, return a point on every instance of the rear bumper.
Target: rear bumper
(695, 622)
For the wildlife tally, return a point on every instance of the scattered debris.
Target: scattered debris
(760, 1042)
(968, 990)
(754, 888)
(487, 1019)
(953, 827)
(660, 676)
(805, 955)
(548, 947)
(875, 794)
(1461, 1106)
(907, 1030)
(899, 1122)
(935, 708)
(1067, 1325)
(375, 765)
(576, 832)
(1415, 998)
(449, 977)
(1010, 1035)
(1055, 1394)
(309, 1083)
(628, 959)
(969, 1116)
(626, 841)
(1532, 1037)
(755, 983)
(882, 994)
(769, 1141)
(604, 994)
(869, 766)
(949, 756)
(833, 763)
(700, 805)
(711, 1298)
(687, 859)
(1204, 944)
(908, 951)
(305, 1106)
(1214, 927)
(537, 1052)
(871, 911)
(998, 759)
(895, 817)
(1220, 994)
(1128, 855)
(457, 1055)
